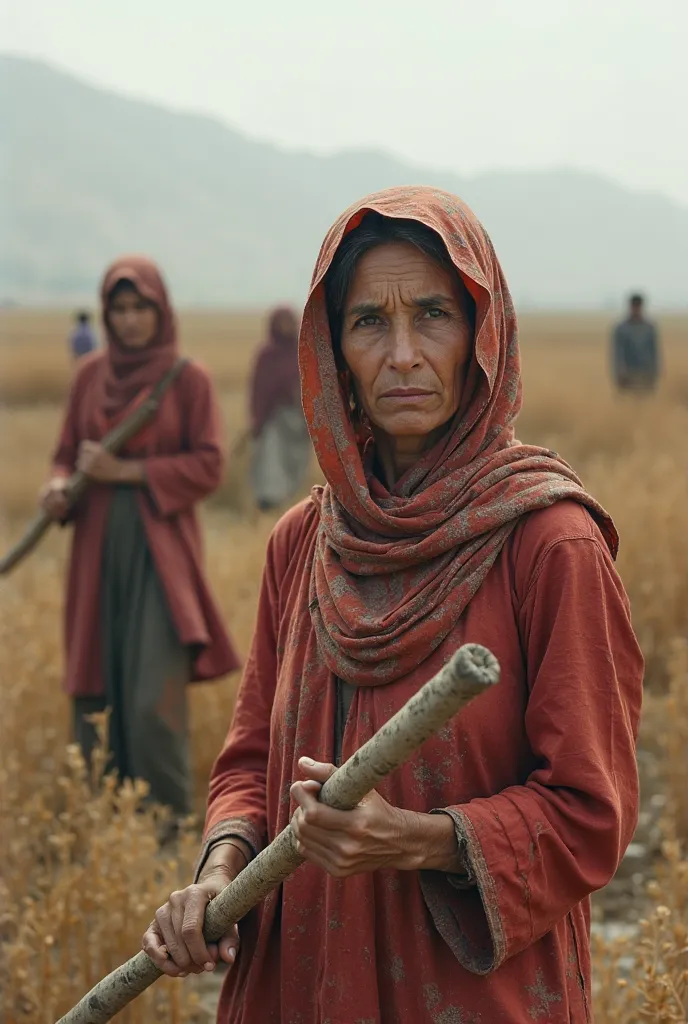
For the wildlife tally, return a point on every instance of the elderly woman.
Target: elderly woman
(281, 446)
(459, 891)
(141, 622)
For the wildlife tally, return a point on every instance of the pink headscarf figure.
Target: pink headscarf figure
(282, 447)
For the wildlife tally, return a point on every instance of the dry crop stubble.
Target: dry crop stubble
(83, 873)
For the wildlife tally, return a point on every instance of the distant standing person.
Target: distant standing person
(282, 447)
(635, 349)
(141, 621)
(83, 338)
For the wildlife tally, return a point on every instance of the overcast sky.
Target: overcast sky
(596, 84)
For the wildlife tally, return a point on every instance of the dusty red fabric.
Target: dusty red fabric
(538, 775)
(275, 381)
(129, 370)
(183, 459)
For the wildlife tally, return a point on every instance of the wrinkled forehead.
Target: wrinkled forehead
(464, 237)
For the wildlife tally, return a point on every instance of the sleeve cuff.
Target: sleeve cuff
(458, 907)
(465, 879)
(233, 828)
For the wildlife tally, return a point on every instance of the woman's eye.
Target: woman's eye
(435, 313)
(367, 321)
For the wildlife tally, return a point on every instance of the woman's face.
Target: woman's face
(284, 323)
(132, 319)
(407, 340)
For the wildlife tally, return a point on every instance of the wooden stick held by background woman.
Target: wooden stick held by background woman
(471, 671)
(113, 442)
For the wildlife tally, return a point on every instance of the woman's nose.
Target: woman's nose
(405, 351)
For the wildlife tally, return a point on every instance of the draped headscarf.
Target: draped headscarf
(130, 370)
(395, 569)
(276, 371)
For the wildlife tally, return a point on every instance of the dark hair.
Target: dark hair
(636, 299)
(374, 230)
(122, 286)
(83, 317)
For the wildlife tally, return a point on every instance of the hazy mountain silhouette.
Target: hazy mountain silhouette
(86, 174)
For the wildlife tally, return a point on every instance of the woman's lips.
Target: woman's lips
(407, 394)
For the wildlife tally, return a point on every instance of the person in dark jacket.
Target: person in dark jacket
(635, 350)
(83, 338)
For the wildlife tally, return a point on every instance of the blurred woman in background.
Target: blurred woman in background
(140, 620)
(282, 447)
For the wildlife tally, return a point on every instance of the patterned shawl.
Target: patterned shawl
(394, 570)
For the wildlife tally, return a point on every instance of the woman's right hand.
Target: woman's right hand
(174, 939)
(53, 498)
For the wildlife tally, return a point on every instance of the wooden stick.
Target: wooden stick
(113, 442)
(471, 671)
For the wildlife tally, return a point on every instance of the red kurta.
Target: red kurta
(539, 775)
(182, 452)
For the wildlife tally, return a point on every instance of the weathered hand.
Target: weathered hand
(53, 498)
(374, 835)
(98, 464)
(177, 930)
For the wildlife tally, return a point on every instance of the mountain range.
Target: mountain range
(86, 174)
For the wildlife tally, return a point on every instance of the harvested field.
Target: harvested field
(83, 874)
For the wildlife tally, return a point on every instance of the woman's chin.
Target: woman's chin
(410, 424)
(134, 346)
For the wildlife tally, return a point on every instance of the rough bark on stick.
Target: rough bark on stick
(469, 673)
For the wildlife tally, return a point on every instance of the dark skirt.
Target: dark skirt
(146, 668)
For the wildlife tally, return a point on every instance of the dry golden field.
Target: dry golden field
(81, 873)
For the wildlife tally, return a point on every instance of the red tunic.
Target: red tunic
(183, 461)
(539, 775)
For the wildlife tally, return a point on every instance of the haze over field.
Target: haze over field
(558, 123)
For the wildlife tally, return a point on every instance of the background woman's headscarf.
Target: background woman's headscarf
(129, 370)
(394, 570)
(276, 372)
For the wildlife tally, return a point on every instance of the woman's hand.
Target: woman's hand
(374, 835)
(98, 464)
(174, 939)
(53, 498)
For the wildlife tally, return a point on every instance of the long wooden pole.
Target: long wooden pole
(113, 442)
(471, 671)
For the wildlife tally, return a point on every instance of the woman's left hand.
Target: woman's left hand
(374, 835)
(98, 464)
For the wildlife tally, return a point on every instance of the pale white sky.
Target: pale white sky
(595, 84)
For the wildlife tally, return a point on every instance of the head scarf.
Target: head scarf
(129, 370)
(276, 375)
(394, 570)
